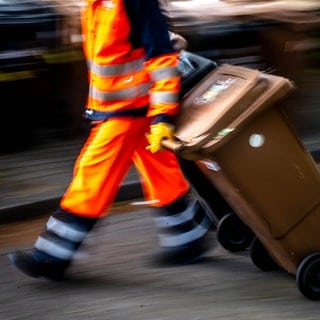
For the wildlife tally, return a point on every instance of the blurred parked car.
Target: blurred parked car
(42, 72)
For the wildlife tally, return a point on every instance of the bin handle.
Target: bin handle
(179, 148)
(172, 144)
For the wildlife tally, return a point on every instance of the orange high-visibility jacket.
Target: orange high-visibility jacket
(132, 66)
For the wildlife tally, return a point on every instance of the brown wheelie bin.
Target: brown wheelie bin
(194, 68)
(234, 127)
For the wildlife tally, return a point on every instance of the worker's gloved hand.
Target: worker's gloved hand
(159, 132)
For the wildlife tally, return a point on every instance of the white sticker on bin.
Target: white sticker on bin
(256, 140)
(211, 165)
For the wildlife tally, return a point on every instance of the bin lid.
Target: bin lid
(224, 101)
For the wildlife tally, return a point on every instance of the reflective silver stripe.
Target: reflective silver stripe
(164, 73)
(176, 219)
(117, 69)
(64, 230)
(166, 240)
(53, 249)
(163, 97)
(132, 92)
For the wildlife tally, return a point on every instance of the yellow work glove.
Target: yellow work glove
(159, 132)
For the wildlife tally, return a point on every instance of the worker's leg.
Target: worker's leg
(181, 221)
(99, 170)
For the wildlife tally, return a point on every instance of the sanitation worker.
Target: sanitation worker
(132, 99)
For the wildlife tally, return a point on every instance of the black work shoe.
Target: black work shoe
(194, 252)
(31, 265)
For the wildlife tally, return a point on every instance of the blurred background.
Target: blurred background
(43, 74)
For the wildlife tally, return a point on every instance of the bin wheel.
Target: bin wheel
(233, 234)
(308, 276)
(261, 257)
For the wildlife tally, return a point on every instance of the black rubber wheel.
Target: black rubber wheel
(233, 234)
(261, 257)
(308, 276)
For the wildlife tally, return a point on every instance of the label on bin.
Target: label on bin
(212, 93)
(211, 165)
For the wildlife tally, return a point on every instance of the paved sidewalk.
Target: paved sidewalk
(32, 182)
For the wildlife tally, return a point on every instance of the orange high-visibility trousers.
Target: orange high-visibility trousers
(106, 157)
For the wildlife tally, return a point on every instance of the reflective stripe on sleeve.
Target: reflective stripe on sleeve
(163, 97)
(164, 73)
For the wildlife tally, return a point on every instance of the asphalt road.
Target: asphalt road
(112, 278)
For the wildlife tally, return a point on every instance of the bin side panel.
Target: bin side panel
(272, 182)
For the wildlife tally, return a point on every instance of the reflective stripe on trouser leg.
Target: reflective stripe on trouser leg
(64, 232)
(182, 223)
